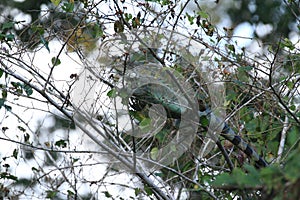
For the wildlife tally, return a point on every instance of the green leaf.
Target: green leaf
(112, 93)
(24, 181)
(15, 153)
(290, 84)
(68, 7)
(246, 180)
(162, 135)
(21, 128)
(231, 95)
(135, 22)
(34, 169)
(154, 153)
(8, 108)
(145, 125)
(204, 121)
(56, 2)
(10, 37)
(148, 190)
(293, 107)
(187, 166)
(239, 176)
(5, 175)
(45, 43)
(70, 193)
(190, 18)
(128, 16)
(239, 82)
(118, 27)
(264, 123)
(173, 148)
(4, 129)
(145, 122)
(26, 137)
(107, 194)
(2, 36)
(292, 136)
(95, 30)
(4, 94)
(230, 47)
(55, 61)
(251, 125)
(165, 2)
(1, 72)
(292, 167)
(16, 84)
(137, 191)
(245, 68)
(223, 179)
(287, 43)
(61, 143)
(28, 89)
(203, 14)
(271, 175)
(272, 145)
(252, 170)
(51, 194)
(253, 177)
(8, 25)
(2, 102)
(38, 29)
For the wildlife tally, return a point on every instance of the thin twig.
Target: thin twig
(285, 128)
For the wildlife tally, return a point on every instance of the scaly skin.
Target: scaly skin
(151, 94)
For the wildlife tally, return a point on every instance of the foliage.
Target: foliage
(73, 147)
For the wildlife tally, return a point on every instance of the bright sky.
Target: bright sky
(69, 65)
